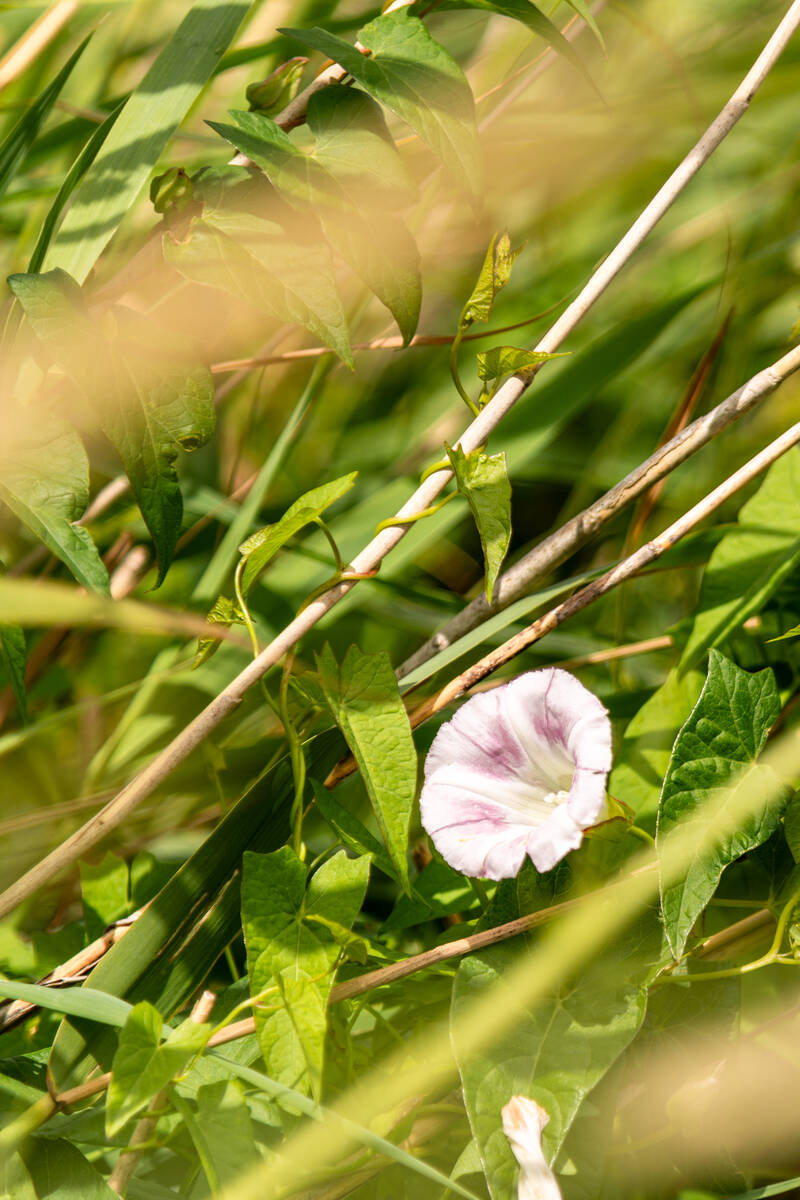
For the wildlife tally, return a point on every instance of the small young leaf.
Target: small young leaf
(223, 612)
(143, 1064)
(494, 275)
(261, 547)
(716, 747)
(272, 94)
(416, 78)
(363, 696)
(494, 364)
(13, 655)
(483, 480)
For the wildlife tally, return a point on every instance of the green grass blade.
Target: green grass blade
(83, 1002)
(151, 116)
(23, 134)
(73, 177)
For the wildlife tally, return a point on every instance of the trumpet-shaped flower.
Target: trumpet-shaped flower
(523, 1122)
(520, 769)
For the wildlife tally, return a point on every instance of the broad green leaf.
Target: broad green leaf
(256, 261)
(532, 16)
(493, 277)
(224, 1122)
(714, 750)
(60, 1172)
(223, 612)
(15, 1182)
(13, 656)
(564, 1046)
(751, 561)
(44, 480)
(350, 831)
(641, 761)
(261, 547)
(142, 131)
(291, 960)
(85, 1002)
(23, 133)
(363, 696)
(71, 180)
(483, 480)
(138, 385)
(791, 826)
(104, 892)
(439, 891)
(199, 909)
(416, 78)
(351, 178)
(143, 1064)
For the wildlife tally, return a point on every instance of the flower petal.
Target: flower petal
(523, 1122)
(521, 768)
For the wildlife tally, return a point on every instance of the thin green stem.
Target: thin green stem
(642, 834)
(245, 611)
(426, 512)
(454, 348)
(340, 563)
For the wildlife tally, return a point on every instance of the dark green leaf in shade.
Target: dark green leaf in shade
(144, 1064)
(291, 959)
(15, 1182)
(363, 696)
(44, 480)
(483, 479)
(13, 656)
(138, 384)
(262, 546)
(22, 135)
(715, 750)
(416, 78)
(223, 612)
(791, 826)
(751, 561)
(351, 832)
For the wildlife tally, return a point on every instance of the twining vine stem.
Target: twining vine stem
(371, 557)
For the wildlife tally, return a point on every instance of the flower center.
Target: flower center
(556, 798)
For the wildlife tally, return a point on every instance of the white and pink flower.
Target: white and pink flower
(520, 769)
(523, 1122)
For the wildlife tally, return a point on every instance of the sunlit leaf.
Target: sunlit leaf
(261, 547)
(483, 479)
(363, 697)
(416, 78)
(715, 748)
(143, 1064)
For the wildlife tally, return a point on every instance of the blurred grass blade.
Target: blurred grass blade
(23, 134)
(772, 1189)
(152, 114)
(76, 1001)
(73, 177)
(357, 1132)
